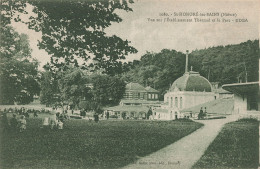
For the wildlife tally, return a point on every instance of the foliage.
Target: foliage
(157, 70)
(83, 144)
(223, 64)
(107, 90)
(228, 64)
(73, 31)
(248, 120)
(236, 146)
(18, 72)
(49, 89)
(72, 84)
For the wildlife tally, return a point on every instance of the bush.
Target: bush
(184, 120)
(248, 120)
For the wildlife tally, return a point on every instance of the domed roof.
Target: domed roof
(191, 81)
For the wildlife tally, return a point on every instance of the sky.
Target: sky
(181, 36)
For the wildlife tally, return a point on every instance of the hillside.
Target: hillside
(224, 64)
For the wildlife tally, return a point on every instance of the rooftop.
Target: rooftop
(242, 88)
(192, 81)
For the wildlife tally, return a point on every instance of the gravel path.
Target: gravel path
(185, 152)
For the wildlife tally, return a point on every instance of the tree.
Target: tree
(18, 71)
(75, 30)
(72, 85)
(49, 89)
(107, 90)
(157, 70)
(228, 64)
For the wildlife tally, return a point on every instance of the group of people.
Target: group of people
(18, 120)
(15, 123)
(56, 120)
(202, 114)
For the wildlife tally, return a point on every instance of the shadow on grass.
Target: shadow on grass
(85, 144)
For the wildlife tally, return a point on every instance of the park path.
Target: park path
(185, 152)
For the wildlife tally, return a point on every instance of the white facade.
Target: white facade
(240, 104)
(187, 91)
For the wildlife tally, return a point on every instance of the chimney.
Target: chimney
(186, 66)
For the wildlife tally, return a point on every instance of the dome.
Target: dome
(191, 81)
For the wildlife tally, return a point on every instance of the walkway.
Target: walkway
(185, 152)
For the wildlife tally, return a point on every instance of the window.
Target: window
(180, 102)
(138, 95)
(156, 96)
(171, 101)
(152, 96)
(149, 96)
(176, 101)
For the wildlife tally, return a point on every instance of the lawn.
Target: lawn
(236, 146)
(85, 144)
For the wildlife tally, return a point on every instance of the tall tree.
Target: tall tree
(49, 94)
(18, 71)
(73, 31)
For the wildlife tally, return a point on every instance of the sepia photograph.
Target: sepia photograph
(129, 84)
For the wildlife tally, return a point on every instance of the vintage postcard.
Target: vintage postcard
(129, 84)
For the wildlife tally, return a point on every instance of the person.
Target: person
(149, 113)
(200, 114)
(46, 123)
(107, 114)
(13, 122)
(61, 117)
(35, 113)
(22, 123)
(84, 113)
(60, 125)
(53, 121)
(81, 112)
(205, 112)
(96, 117)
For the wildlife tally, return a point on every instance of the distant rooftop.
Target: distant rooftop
(135, 86)
(150, 89)
(140, 88)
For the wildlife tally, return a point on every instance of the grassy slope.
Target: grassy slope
(84, 144)
(236, 146)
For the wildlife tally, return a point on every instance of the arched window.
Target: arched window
(176, 101)
(171, 101)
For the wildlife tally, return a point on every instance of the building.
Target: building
(135, 91)
(246, 98)
(189, 90)
(220, 93)
(136, 102)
